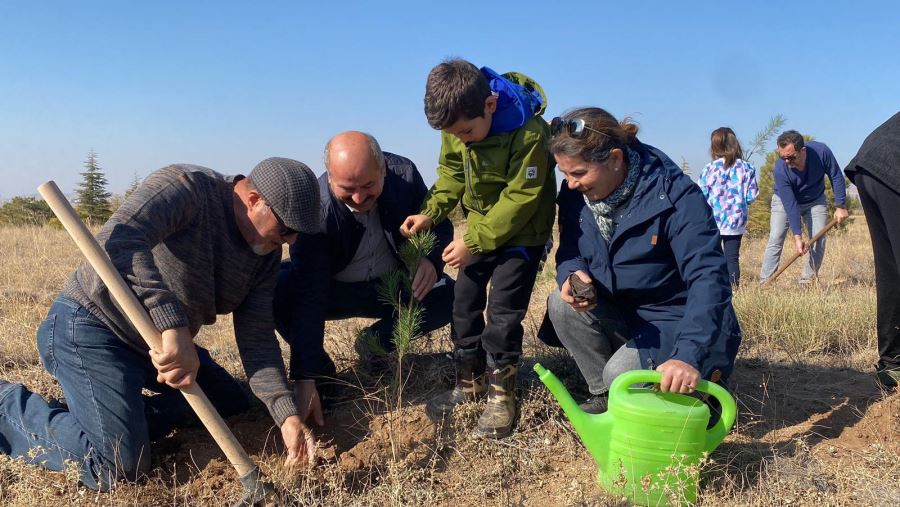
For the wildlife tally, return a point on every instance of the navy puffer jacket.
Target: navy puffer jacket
(663, 267)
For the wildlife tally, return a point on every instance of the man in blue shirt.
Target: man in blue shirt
(800, 195)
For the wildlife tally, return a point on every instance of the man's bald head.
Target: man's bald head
(353, 147)
(356, 169)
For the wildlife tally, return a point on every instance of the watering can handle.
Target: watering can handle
(715, 434)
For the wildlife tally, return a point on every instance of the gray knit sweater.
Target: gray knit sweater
(175, 241)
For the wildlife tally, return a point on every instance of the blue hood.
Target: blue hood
(516, 103)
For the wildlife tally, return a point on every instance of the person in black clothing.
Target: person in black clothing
(875, 170)
(334, 274)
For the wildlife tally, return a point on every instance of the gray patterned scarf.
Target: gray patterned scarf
(604, 210)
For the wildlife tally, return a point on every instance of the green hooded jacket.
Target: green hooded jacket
(506, 182)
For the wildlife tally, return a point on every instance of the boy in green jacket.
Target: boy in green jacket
(494, 157)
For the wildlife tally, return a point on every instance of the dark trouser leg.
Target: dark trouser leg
(285, 304)
(512, 281)
(511, 272)
(469, 300)
(732, 248)
(882, 208)
(169, 410)
(361, 299)
(104, 429)
(438, 306)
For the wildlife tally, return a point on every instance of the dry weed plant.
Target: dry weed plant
(812, 428)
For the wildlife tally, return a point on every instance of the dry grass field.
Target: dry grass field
(813, 427)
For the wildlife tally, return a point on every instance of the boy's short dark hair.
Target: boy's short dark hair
(790, 137)
(455, 89)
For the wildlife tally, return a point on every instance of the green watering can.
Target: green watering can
(648, 444)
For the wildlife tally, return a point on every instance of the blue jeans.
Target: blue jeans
(814, 216)
(105, 425)
(597, 339)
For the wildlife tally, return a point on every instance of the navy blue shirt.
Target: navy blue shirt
(795, 187)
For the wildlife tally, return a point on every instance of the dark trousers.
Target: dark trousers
(882, 207)
(360, 299)
(732, 247)
(511, 272)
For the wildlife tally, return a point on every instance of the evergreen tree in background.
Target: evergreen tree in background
(92, 197)
(760, 209)
(135, 183)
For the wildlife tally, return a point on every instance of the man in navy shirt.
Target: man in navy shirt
(800, 195)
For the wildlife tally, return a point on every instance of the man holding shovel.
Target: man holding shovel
(192, 244)
(800, 192)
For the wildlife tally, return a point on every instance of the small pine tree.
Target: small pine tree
(760, 209)
(396, 290)
(92, 197)
(763, 136)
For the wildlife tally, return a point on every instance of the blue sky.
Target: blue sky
(226, 84)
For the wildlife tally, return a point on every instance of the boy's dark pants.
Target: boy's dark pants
(511, 272)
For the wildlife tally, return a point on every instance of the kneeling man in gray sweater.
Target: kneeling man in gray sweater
(192, 244)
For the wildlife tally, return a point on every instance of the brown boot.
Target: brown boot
(499, 415)
(469, 385)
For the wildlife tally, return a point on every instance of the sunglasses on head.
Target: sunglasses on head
(283, 229)
(574, 127)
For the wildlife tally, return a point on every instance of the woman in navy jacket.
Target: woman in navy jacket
(638, 234)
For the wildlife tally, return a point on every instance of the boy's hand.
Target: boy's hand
(177, 363)
(457, 254)
(414, 224)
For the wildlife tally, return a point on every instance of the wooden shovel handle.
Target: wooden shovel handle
(796, 255)
(138, 316)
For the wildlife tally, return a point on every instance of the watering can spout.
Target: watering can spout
(592, 428)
